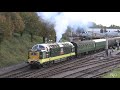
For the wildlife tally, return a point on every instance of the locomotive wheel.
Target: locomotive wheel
(32, 66)
(45, 65)
(50, 63)
(38, 66)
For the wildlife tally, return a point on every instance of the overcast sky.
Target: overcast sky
(104, 18)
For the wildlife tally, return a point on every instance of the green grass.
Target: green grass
(114, 74)
(15, 50)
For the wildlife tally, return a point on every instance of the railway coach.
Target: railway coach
(41, 54)
(100, 44)
(83, 47)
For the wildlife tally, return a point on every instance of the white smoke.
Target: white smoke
(60, 26)
(63, 20)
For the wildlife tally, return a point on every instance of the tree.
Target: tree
(114, 26)
(52, 33)
(67, 34)
(31, 20)
(47, 31)
(18, 23)
(2, 27)
(78, 31)
(6, 24)
(13, 23)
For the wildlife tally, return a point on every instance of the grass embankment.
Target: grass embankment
(15, 50)
(114, 74)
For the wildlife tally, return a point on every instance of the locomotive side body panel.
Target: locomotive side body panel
(50, 52)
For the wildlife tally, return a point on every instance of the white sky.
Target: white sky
(104, 18)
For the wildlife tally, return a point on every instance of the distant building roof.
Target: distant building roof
(99, 40)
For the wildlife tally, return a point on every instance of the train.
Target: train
(42, 54)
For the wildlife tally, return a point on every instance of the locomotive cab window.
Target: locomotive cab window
(33, 53)
(38, 47)
(35, 47)
(41, 47)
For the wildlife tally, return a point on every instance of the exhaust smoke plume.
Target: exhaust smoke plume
(62, 20)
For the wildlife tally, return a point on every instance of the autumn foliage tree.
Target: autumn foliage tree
(31, 21)
(67, 34)
(11, 22)
(2, 26)
(18, 23)
(25, 22)
(6, 25)
(47, 31)
(44, 31)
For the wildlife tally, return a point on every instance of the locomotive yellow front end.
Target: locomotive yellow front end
(36, 55)
(33, 56)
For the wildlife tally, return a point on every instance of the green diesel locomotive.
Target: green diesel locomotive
(41, 54)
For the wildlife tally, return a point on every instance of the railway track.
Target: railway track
(16, 71)
(47, 72)
(91, 66)
(91, 70)
(19, 67)
(99, 73)
(28, 73)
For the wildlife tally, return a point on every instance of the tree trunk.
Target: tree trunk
(1, 37)
(55, 38)
(31, 37)
(21, 33)
(43, 39)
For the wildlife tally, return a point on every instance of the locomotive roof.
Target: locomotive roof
(117, 37)
(55, 45)
(64, 44)
(86, 41)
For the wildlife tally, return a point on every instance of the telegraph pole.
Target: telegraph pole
(117, 41)
(106, 44)
(92, 34)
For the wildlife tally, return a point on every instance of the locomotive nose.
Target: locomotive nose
(33, 56)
